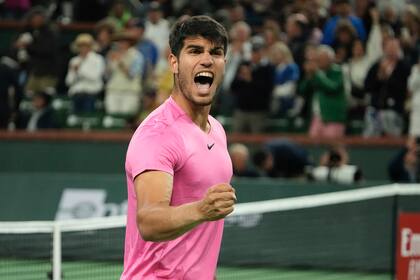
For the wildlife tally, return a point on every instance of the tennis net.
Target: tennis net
(303, 237)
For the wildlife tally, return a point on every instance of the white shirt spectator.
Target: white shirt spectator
(85, 75)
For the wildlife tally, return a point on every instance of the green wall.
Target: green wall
(108, 157)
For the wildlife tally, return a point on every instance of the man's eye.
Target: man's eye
(195, 51)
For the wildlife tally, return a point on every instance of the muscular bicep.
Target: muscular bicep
(153, 188)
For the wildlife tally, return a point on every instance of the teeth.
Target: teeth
(204, 74)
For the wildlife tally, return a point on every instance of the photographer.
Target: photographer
(334, 167)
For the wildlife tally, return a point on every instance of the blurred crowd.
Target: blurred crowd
(326, 63)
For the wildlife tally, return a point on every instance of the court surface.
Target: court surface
(78, 270)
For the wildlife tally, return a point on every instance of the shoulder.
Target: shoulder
(162, 122)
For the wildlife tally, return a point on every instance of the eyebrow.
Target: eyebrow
(219, 48)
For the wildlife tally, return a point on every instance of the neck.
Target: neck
(198, 113)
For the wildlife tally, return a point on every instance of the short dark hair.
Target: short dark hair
(195, 26)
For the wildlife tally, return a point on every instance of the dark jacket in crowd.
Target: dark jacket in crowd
(9, 78)
(43, 51)
(390, 93)
(255, 95)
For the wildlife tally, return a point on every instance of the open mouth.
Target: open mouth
(204, 79)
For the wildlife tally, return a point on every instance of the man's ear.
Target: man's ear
(173, 62)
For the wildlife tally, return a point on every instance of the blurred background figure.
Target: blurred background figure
(356, 69)
(298, 33)
(404, 166)
(344, 37)
(386, 85)
(334, 166)
(281, 158)
(157, 28)
(252, 89)
(119, 14)
(343, 12)
(410, 34)
(147, 48)
(241, 163)
(40, 116)
(37, 50)
(16, 9)
(324, 81)
(10, 91)
(414, 90)
(286, 76)
(124, 66)
(85, 75)
(104, 31)
(239, 50)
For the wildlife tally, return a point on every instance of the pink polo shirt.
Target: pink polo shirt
(169, 141)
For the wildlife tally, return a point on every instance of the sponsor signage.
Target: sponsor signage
(408, 247)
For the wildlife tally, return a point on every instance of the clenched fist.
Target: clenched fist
(218, 202)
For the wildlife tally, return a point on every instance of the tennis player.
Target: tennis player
(178, 167)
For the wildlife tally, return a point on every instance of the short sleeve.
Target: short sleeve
(154, 151)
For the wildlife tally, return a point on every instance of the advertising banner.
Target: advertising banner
(408, 247)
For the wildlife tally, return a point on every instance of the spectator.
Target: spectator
(410, 34)
(285, 79)
(356, 69)
(252, 89)
(298, 32)
(37, 47)
(123, 89)
(324, 81)
(391, 18)
(362, 9)
(239, 154)
(119, 15)
(344, 11)
(386, 84)
(281, 158)
(85, 75)
(146, 47)
(414, 89)
(239, 50)
(104, 31)
(344, 37)
(9, 83)
(403, 166)
(157, 28)
(41, 115)
(15, 9)
(334, 167)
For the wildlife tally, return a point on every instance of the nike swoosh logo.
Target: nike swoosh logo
(209, 146)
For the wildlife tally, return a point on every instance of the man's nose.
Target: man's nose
(207, 59)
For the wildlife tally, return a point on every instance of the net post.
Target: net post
(56, 251)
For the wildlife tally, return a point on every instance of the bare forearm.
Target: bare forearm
(162, 222)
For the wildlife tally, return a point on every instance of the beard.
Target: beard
(183, 88)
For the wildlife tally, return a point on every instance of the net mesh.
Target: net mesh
(326, 236)
(25, 256)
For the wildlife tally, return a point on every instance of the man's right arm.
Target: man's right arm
(157, 220)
